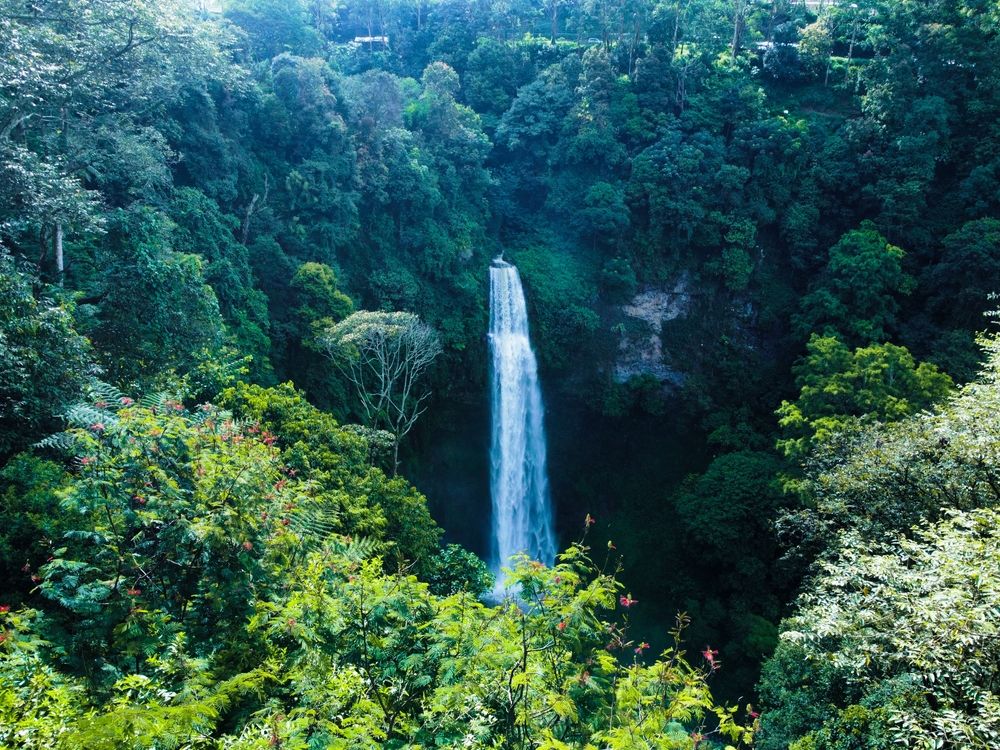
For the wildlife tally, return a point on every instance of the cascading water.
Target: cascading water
(522, 511)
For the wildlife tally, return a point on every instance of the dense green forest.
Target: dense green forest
(759, 241)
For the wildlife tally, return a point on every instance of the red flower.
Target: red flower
(126, 401)
(4, 608)
(97, 427)
(561, 626)
(641, 647)
(626, 601)
(247, 546)
(710, 653)
(285, 521)
(87, 460)
(133, 591)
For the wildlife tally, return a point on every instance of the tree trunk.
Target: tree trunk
(58, 245)
(677, 29)
(738, 17)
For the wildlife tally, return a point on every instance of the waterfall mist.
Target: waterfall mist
(522, 511)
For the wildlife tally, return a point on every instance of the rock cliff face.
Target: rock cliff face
(640, 351)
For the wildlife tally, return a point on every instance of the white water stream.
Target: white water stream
(522, 510)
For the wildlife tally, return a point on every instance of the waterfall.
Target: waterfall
(522, 512)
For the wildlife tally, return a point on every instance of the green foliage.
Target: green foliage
(190, 604)
(889, 477)
(192, 180)
(449, 670)
(967, 273)
(619, 280)
(454, 569)
(384, 356)
(891, 641)
(560, 299)
(838, 387)
(908, 626)
(725, 510)
(172, 513)
(273, 27)
(857, 294)
(321, 303)
(44, 362)
(156, 312)
(30, 489)
(201, 228)
(604, 214)
(359, 496)
(79, 84)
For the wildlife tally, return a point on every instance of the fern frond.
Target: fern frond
(63, 442)
(154, 400)
(85, 415)
(356, 549)
(99, 391)
(200, 415)
(315, 520)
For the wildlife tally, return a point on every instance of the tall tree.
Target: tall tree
(385, 355)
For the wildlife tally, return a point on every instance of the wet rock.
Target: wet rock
(640, 351)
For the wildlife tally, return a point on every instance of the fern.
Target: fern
(315, 520)
(188, 724)
(206, 412)
(86, 415)
(62, 442)
(99, 391)
(155, 400)
(354, 549)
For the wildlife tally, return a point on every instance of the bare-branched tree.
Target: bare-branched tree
(385, 354)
